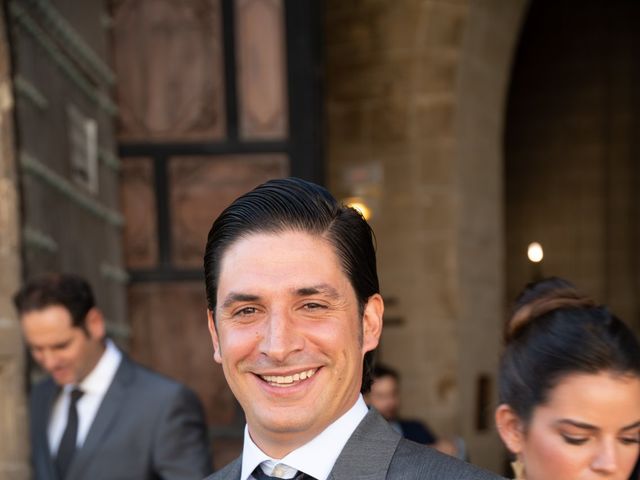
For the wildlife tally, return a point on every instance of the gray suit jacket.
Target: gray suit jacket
(147, 427)
(377, 452)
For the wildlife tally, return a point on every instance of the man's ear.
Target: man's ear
(510, 428)
(94, 324)
(372, 322)
(214, 337)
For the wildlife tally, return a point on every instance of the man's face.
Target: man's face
(288, 335)
(66, 352)
(385, 397)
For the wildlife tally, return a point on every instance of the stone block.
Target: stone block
(443, 25)
(349, 123)
(435, 120)
(437, 162)
(389, 120)
(438, 71)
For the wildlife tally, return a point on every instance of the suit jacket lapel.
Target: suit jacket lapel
(235, 469)
(368, 452)
(104, 420)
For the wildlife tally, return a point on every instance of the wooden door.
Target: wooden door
(215, 97)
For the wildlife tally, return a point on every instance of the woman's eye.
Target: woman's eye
(572, 440)
(630, 440)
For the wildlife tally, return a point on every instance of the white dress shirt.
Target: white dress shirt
(315, 458)
(94, 386)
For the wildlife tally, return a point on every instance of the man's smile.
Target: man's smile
(288, 380)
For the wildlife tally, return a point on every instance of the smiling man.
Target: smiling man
(294, 313)
(99, 414)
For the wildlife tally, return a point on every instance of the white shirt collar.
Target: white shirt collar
(101, 376)
(94, 386)
(315, 458)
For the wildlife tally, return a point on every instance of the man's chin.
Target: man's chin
(63, 379)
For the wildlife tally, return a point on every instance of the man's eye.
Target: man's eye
(313, 306)
(575, 440)
(246, 311)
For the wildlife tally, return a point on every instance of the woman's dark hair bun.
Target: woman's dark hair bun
(541, 298)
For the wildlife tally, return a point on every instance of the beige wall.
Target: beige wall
(13, 415)
(415, 98)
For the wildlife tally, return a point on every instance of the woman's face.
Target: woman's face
(588, 429)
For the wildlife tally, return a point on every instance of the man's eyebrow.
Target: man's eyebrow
(234, 297)
(323, 289)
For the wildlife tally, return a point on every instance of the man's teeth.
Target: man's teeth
(289, 379)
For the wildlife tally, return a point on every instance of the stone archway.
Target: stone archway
(415, 100)
(571, 146)
(492, 33)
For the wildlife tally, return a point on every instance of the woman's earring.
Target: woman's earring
(518, 469)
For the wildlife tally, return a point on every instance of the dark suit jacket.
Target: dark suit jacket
(147, 428)
(377, 452)
(417, 432)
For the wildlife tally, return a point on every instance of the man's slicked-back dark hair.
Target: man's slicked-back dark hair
(292, 204)
(57, 289)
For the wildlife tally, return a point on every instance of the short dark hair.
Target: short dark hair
(63, 289)
(292, 204)
(380, 370)
(555, 331)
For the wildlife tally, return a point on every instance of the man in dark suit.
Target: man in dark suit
(384, 396)
(295, 312)
(99, 415)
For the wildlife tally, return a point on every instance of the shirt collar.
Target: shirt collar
(315, 458)
(100, 377)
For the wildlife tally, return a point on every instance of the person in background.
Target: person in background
(569, 386)
(294, 312)
(384, 396)
(99, 414)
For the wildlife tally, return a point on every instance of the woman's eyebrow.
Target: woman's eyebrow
(575, 423)
(631, 427)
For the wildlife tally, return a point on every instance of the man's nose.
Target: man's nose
(281, 337)
(47, 359)
(606, 459)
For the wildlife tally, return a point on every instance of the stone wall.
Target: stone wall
(391, 70)
(415, 100)
(66, 151)
(13, 415)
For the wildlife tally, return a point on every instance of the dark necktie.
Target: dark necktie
(259, 474)
(67, 446)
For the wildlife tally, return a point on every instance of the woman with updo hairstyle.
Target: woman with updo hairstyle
(569, 387)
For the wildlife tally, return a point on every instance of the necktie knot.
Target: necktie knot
(76, 394)
(259, 474)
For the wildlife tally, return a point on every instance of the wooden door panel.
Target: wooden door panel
(202, 186)
(170, 334)
(261, 64)
(168, 57)
(138, 200)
